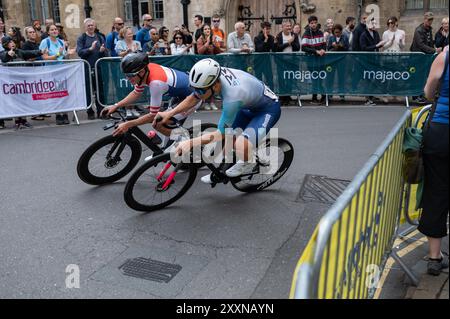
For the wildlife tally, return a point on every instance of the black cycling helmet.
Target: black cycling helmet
(133, 63)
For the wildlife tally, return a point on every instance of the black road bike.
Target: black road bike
(113, 157)
(161, 181)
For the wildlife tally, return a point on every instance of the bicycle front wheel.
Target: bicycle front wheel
(157, 184)
(108, 160)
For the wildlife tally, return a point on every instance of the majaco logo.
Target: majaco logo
(384, 76)
(303, 76)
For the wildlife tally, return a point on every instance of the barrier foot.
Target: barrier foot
(76, 117)
(327, 100)
(405, 268)
(407, 102)
(406, 232)
(299, 101)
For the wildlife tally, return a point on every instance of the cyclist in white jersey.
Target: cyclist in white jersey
(248, 104)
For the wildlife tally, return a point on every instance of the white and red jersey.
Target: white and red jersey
(164, 81)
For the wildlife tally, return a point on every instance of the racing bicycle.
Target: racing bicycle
(113, 157)
(162, 181)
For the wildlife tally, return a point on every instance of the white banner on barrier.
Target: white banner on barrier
(34, 90)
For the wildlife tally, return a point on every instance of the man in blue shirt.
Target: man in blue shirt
(113, 37)
(143, 35)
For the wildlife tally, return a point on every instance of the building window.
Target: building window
(426, 5)
(143, 8)
(55, 10)
(158, 9)
(45, 10)
(34, 15)
(439, 4)
(128, 11)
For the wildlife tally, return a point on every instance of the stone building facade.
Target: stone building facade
(170, 13)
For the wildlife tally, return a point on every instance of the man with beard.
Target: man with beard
(349, 29)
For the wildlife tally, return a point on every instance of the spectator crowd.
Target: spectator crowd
(50, 43)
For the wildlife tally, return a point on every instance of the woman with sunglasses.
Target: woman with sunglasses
(248, 105)
(161, 81)
(394, 39)
(164, 43)
(178, 47)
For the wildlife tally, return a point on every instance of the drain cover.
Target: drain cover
(150, 269)
(321, 189)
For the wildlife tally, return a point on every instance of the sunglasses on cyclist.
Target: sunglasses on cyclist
(131, 75)
(201, 92)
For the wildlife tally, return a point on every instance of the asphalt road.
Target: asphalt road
(229, 245)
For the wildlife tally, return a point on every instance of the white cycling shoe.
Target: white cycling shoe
(241, 168)
(207, 179)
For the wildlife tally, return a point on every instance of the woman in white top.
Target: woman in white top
(178, 47)
(394, 39)
(126, 44)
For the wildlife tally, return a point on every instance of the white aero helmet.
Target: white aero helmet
(204, 73)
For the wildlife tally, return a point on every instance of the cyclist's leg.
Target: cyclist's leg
(257, 128)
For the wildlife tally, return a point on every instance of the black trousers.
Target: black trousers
(433, 222)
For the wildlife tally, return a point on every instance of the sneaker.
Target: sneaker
(241, 168)
(370, 103)
(59, 120)
(135, 113)
(2, 124)
(207, 179)
(435, 266)
(213, 107)
(26, 125)
(207, 107)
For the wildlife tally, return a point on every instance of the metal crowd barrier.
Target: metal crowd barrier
(88, 71)
(411, 57)
(355, 238)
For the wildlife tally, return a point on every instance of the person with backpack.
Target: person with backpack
(113, 37)
(91, 46)
(55, 50)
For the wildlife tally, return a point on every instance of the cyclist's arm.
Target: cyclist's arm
(187, 104)
(129, 100)
(230, 110)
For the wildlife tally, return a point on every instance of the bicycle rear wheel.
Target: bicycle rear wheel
(281, 156)
(156, 185)
(108, 160)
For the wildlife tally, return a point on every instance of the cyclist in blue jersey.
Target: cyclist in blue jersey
(248, 104)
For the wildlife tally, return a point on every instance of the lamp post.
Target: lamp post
(87, 8)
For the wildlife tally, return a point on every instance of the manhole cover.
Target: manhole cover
(321, 189)
(150, 269)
